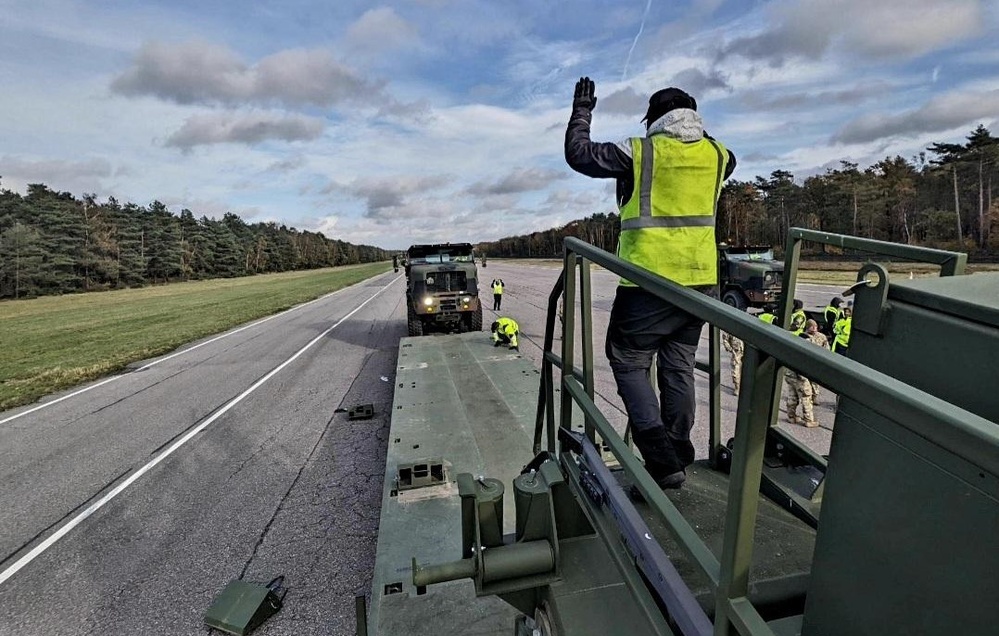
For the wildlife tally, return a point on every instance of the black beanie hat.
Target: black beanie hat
(666, 100)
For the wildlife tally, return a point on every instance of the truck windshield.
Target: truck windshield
(446, 282)
(765, 255)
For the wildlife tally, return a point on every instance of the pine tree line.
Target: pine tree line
(53, 243)
(944, 197)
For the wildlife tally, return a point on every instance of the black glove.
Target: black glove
(585, 96)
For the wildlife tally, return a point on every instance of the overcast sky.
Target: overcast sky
(442, 120)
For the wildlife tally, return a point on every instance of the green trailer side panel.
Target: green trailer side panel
(461, 401)
(940, 336)
(907, 541)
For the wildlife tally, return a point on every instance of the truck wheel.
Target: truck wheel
(477, 319)
(735, 299)
(413, 323)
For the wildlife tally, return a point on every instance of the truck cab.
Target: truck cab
(442, 288)
(749, 276)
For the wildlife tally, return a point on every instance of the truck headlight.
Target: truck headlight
(769, 278)
(466, 299)
(428, 300)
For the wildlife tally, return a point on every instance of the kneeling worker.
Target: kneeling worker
(505, 331)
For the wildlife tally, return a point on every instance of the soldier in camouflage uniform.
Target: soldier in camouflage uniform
(801, 390)
(816, 337)
(735, 347)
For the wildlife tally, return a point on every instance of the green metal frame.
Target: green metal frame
(767, 352)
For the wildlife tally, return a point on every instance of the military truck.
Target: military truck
(442, 291)
(749, 276)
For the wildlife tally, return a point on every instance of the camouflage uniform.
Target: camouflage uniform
(799, 392)
(735, 347)
(817, 338)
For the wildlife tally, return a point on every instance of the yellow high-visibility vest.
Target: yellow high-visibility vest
(668, 224)
(798, 320)
(842, 330)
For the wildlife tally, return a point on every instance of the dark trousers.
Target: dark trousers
(497, 300)
(643, 326)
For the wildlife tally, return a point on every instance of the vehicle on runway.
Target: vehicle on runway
(749, 276)
(442, 290)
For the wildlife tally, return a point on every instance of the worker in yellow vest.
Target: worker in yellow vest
(497, 293)
(831, 314)
(505, 331)
(668, 182)
(798, 318)
(841, 332)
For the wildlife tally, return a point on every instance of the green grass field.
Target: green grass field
(55, 342)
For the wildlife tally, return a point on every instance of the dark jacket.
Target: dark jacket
(605, 160)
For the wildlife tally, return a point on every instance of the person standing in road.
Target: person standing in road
(798, 318)
(497, 293)
(505, 331)
(831, 314)
(735, 348)
(841, 332)
(799, 392)
(818, 339)
(668, 182)
(802, 391)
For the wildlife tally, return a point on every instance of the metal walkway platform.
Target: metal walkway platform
(461, 406)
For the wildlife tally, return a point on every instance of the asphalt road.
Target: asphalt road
(278, 481)
(128, 506)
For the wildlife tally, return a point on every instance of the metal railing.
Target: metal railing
(767, 352)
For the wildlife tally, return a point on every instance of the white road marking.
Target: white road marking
(97, 505)
(169, 357)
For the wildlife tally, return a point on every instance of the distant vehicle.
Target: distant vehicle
(749, 276)
(441, 288)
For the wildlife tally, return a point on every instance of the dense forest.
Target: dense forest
(53, 243)
(943, 198)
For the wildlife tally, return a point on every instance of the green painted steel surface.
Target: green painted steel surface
(908, 541)
(459, 399)
(242, 607)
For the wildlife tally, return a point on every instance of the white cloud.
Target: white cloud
(244, 128)
(380, 32)
(941, 113)
(200, 72)
(886, 29)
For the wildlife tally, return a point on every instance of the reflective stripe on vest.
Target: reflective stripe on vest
(837, 313)
(668, 224)
(798, 320)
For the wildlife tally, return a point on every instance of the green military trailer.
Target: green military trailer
(507, 512)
